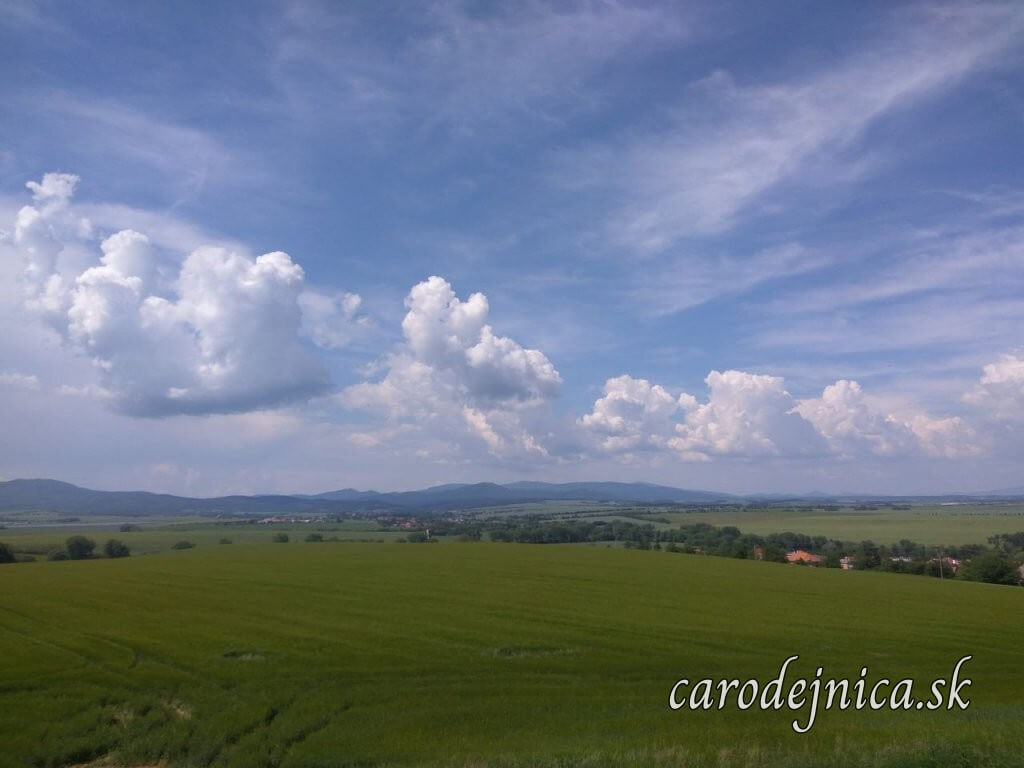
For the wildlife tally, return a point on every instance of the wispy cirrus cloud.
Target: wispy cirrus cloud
(460, 71)
(683, 282)
(950, 290)
(727, 143)
(184, 155)
(973, 256)
(932, 322)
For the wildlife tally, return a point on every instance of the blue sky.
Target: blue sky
(299, 246)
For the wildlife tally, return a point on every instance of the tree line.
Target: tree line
(999, 562)
(75, 548)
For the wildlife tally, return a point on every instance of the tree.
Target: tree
(115, 548)
(6, 556)
(79, 547)
(867, 555)
(992, 568)
(280, 538)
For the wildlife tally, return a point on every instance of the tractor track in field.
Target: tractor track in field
(249, 729)
(304, 733)
(86, 658)
(122, 673)
(117, 644)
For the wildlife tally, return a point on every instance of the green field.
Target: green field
(152, 537)
(931, 524)
(345, 654)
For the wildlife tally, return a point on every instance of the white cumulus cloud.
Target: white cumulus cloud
(749, 415)
(852, 425)
(746, 414)
(454, 376)
(217, 333)
(634, 414)
(856, 425)
(1000, 390)
(17, 380)
(331, 321)
(54, 188)
(451, 335)
(39, 234)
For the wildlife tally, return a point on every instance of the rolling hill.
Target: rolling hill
(68, 499)
(54, 496)
(64, 498)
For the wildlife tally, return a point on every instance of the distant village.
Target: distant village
(1002, 561)
(849, 563)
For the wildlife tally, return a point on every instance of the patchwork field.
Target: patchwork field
(343, 654)
(149, 538)
(932, 524)
(927, 524)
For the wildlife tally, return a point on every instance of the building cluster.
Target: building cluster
(276, 519)
(848, 562)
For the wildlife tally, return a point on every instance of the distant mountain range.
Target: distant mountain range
(1016, 491)
(63, 498)
(67, 499)
(488, 494)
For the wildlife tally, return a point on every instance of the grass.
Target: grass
(150, 538)
(553, 508)
(927, 524)
(295, 655)
(932, 525)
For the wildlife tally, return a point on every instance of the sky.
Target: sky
(754, 247)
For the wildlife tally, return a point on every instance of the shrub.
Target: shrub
(115, 548)
(182, 545)
(280, 538)
(79, 547)
(315, 537)
(125, 527)
(224, 541)
(57, 554)
(6, 556)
